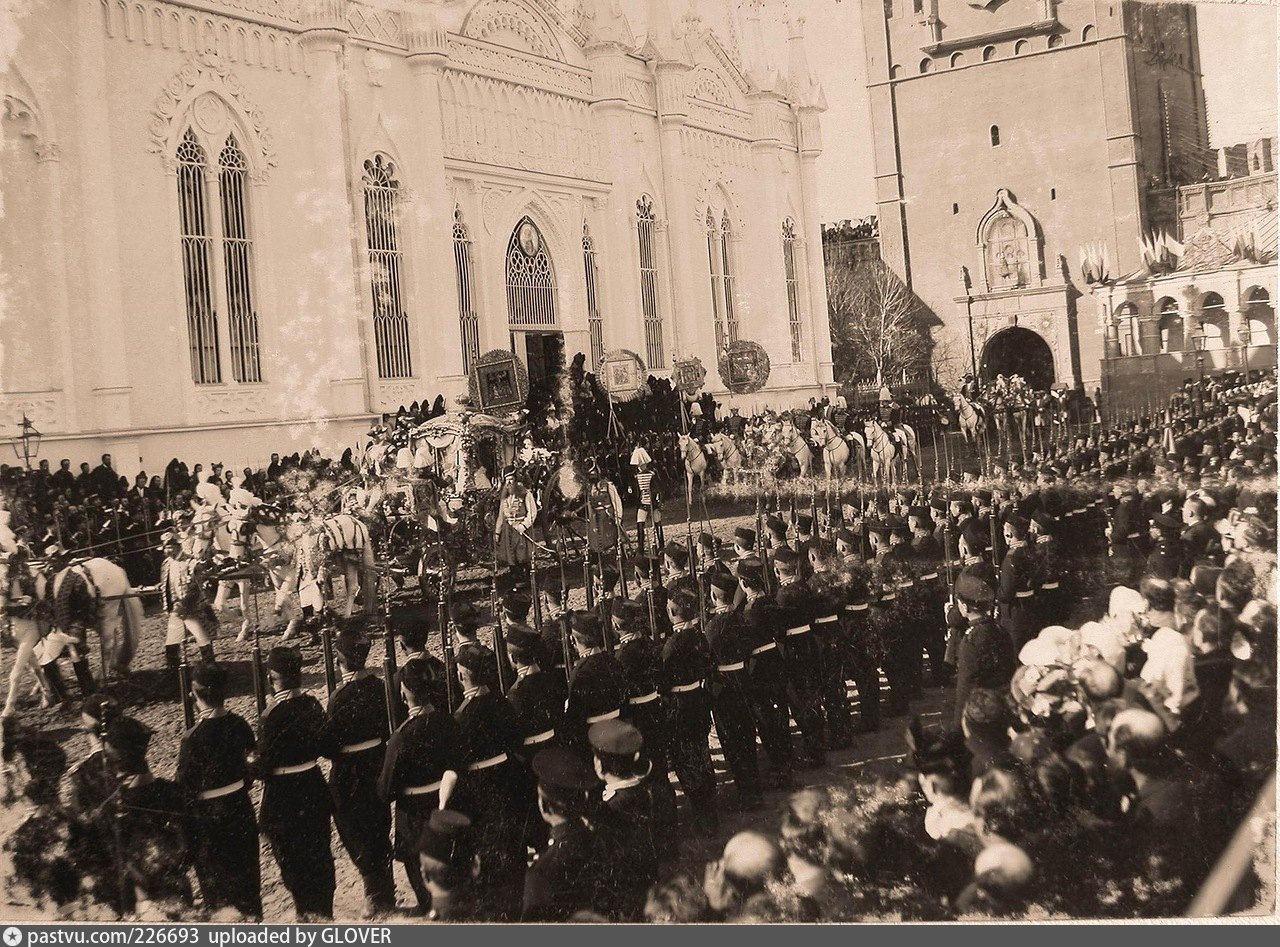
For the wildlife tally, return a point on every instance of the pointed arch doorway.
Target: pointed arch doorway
(533, 312)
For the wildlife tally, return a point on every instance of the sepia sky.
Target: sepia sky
(1237, 46)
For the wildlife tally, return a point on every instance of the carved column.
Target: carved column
(338, 292)
(673, 113)
(435, 273)
(100, 290)
(819, 327)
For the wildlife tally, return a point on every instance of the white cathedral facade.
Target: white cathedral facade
(237, 226)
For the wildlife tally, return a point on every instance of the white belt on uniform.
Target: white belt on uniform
(1027, 594)
(644, 698)
(222, 790)
(611, 715)
(726, 668)
(826, 619)
(1049, 585)
(421, 790)
(1133, 536)
(797, 630)
(891, 596)
(291, 770)
(859, 607)
(907, 584)
(487, 764)
(686, 688)
(361, 747)
(763, 648)
(537, 738)
(928, 575)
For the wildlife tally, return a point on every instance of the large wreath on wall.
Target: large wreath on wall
(622, 375)
(688, 375)
(498, 382)
(744, 366)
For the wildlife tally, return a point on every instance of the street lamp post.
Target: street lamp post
(26, 445)
(1246, 339)
(1199, 339)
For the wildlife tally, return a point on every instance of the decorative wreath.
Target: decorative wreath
(483, 367)
(622, 375)
(688, 375)
(744, 366)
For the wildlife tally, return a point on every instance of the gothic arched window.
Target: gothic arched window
(791, 274)
(713, 270)
(727, 278)
(197, 261)
(595, 321)
(386, 266)
(531, 279)
(647, 235)
(468, 321)
(237, 256)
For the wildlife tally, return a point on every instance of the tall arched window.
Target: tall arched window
(1171, 334)
(531, 279)
(713, 270)
(237, 255)
(727, 278)
(595, 321)
(386, 265)
(1213, 321)
(468, 321)
(791, 274)
(1260, 318)
(1127, 323)
(646, 234)
(197, 262)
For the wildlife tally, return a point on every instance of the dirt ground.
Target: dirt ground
(151, 696)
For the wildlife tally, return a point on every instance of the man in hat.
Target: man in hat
(213, 774)
(734, 425)
(686, 663)
(90, 783)
(852, 655)
(1016, 591)
(182, 594)
(766, 670)
(640, 659)
(564, 879)
(465, 625)
(75, 611)
(731, 706)
(296, 805)
(649, 499)
(423, 759)
(149, 827)
(537, 694)
(597, 685)
(675, 568)
(517, 512)
(651, 599)
(889, 576)
(448, 864)
(357, 731)
(627, 822)
(1168, 557)
(496, 794)
(986, 656)
(802, 654)
(1199, 539)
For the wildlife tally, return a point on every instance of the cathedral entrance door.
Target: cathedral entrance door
(544, 355)
(1018, 351)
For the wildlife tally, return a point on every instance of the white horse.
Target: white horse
(726, 450)
(346, 539)
(794, 445)
(95, 590)
(972, 418)
(888, 450)
(694, 459)
(837, 453)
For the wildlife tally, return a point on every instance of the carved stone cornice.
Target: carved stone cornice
(324, 22)
(426, 39)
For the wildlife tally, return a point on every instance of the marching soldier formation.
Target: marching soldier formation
(553, 773)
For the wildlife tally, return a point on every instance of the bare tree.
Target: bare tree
(877, 324)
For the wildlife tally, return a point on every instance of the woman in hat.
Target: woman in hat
(517, 511)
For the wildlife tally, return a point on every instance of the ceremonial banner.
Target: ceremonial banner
(688, 375)
(744, 367)
(622, 375)
(498, 382)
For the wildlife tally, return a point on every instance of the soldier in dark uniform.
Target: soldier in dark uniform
(537, 695)
(889, 626)
(497, 794)
(1199, 540)
(421, 767)
(802, 655)
(151, 828)
(986, 655)
(1168, 557)
(646, 590)
(563, 879)
(213, 774)
(466, 632)
(357, 732)
(803, 542)
(1128, 529)
(1016, 592)
(731, 706)
(825, 586)
(675, 567)
(686, 663)
(856, 657)
(926, 558)
(1051, 597)
(448, 864)
(766, 671)
(296, 805)
(626, 821)
(597, 686)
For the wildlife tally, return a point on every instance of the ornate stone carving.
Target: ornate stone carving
(30, 125)
(503, 64)
(202, 85)
(228, 403)
(513, 18)
(44, 408)
(707, 85)
(374, 23)
(391, 395)
(716, 150)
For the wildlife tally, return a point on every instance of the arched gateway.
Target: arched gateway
(1018, 351)
(532, 311)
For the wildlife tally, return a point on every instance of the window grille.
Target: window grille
(646, 229)
(386, 265)
(531, 279)
(727, 279)
(793, 285)
(595, 322)
(197, 262)
(237, 255)
(469, 322)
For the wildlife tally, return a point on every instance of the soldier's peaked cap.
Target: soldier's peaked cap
(447, 838)
(284, 660)
(561, 771)
(616, 737)
(745, 537)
